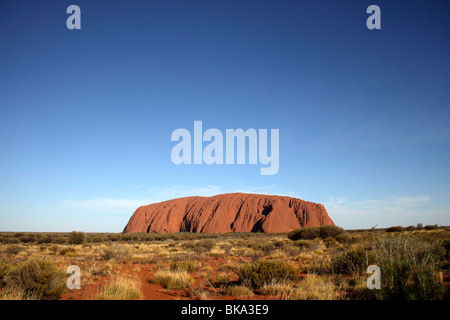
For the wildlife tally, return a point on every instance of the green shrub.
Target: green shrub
(431, 227)
(38, 278)
(354, 261)
(77, 237)
(126, 237)
(409, 268)
(395, 229)
(308, 233)
(343, 238)
(256, 274)
(59, 240)
(330, 231)
(46, 239)
(97, 239)
(28, 239)
(113, 238)
(10, 240)
(311, 233)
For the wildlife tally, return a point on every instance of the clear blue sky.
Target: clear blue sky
(86, 115)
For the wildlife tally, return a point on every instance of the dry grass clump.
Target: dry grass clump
(317, 288)
(173, 280)
(121, 288)
(17, 293)
(256, 274)
(199, 246)
(238, 291)
(13, 249)
(117, 253)
(280, 289)
(185, 265)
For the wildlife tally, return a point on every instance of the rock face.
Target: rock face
(234, 212)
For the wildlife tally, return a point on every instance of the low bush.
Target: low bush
(113, 238)
(59, 240)
(98, 239)
(395, 229)
(44, 240)
(10, 240)
(28, 239)
(330, 231)
(354, 261)
(311, 233)
(343, 238)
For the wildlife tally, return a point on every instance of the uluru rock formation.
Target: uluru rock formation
(233, 212)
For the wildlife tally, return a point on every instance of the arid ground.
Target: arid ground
(316, 263)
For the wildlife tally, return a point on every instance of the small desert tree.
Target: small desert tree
(77, 237)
